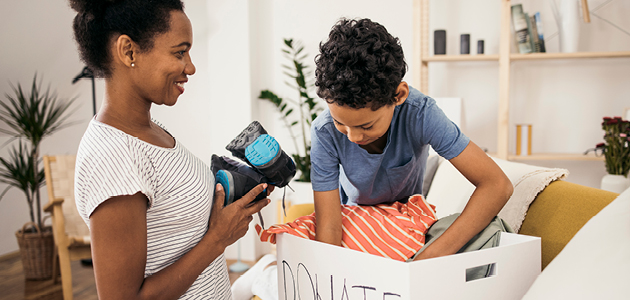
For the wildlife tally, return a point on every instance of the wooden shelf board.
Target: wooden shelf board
(538, 56)
(556, 156)
(463, 57)
(529, 56)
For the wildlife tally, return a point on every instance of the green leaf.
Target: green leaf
(30, 116)
(302, 83)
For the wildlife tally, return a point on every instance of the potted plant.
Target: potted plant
(616, 151)
(304, 104)
(29, 118)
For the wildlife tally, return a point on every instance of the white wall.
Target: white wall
(237, 53)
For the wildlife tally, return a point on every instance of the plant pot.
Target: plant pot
(36, 250)
(615, 183)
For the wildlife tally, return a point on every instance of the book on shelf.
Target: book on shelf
(539, 31)
(531, 29)
(519, 21)
(534, 32)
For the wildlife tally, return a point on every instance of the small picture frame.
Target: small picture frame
(626, 114)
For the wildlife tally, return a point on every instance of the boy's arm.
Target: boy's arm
(493, 189)
(328, 217)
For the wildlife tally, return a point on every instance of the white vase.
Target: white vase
(567, 15)
(615, 183)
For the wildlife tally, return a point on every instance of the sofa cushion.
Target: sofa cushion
(559, 212)
(450, 190)
(595, 264)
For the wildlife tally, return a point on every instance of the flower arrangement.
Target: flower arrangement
(616, 145)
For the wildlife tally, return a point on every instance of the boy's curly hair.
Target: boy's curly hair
(361, 65)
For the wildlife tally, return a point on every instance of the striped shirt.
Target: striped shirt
(395, 230)
(178, 185)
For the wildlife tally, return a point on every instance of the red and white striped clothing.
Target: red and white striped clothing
(393, 230)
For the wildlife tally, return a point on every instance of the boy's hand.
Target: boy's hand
(427, 253)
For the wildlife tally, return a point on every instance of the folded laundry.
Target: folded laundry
(396, 230)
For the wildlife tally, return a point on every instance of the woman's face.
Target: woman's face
(163, 71)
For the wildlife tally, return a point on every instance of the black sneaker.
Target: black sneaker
(236, 178)
(254, 146)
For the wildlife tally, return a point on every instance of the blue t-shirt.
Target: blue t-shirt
(397, 173)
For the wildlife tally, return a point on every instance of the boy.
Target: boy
(371, 145)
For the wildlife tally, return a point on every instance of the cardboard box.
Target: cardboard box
(312, 270)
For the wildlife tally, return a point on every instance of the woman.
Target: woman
(156, 232)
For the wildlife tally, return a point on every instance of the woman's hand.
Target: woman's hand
(270, 189)
(228, 224)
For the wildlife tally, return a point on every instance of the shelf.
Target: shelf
(462, 57)
(504, 57)
(529, 56)
(557, 156)
(539, 56)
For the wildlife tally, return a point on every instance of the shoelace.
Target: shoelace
(284, 210)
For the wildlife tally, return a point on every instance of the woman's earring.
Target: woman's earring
(133, 65)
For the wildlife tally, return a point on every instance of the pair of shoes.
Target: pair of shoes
(266, 163)
(236, 178)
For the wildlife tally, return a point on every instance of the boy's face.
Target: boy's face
(364, 126)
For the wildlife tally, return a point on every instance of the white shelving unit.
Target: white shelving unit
(423, 57)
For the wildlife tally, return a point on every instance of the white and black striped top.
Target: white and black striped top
(179, 187)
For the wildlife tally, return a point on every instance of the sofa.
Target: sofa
(546, 206)
(584, 231)
(542, 204)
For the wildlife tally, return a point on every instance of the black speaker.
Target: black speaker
(480, 47)
(439, 42)
(464, 44)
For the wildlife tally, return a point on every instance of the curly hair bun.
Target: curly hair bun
(92, 7)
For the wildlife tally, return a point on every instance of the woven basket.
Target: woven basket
(36, 249)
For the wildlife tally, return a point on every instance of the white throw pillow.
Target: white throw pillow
(450, 190)
(595, 264)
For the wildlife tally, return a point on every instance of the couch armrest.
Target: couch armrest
(558, 213)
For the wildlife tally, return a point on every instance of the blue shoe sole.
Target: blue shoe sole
(227, 181)
(262, 151)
